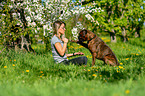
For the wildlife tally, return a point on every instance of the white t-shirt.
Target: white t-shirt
(56, 56)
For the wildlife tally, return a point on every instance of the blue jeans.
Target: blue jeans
(77, 61)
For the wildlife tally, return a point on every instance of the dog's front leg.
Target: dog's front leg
(93, 58)
(83, 44)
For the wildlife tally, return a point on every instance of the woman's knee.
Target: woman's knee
(85, 59)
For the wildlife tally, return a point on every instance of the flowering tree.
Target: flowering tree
(22, 20)
(120, 17)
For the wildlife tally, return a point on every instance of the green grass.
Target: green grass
(29, 74)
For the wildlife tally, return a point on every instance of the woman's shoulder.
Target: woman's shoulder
(55, 39)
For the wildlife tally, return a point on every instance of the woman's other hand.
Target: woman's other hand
(78, 53)
(65, 40)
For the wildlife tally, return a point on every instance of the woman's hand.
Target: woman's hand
(78, 53)
(65, 40)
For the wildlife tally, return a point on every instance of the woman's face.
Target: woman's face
(62, 29)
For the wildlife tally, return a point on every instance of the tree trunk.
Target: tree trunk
(124, 34)
(113, 37)
(25, 43)
(137, 33)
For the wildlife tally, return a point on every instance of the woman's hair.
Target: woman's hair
(56, 26)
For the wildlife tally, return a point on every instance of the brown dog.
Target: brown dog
(98, 48)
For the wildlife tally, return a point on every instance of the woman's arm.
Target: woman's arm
(69, 55)
(61, 50)
(74, 54)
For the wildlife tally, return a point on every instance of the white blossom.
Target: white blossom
(33, 24)
(34, 0)
(3, 14)
(28, 18)
(35, 31)
(74, 30)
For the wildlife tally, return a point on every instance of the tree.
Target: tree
(22, 20)
(120, 17)
(15, 33)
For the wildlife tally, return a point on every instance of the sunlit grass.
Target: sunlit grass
(27, 74)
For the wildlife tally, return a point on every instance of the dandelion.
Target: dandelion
(136, 54)
(120, 67)
(127, 91)
(13, 65)
(118, 71)
(71, 47)
(123, 47)
(40, 76)
(127, 58)
(103, 38)
(100, 75)
(94, 75)
(41, 71)
(88, 70)
(90, 57)
(14, 59)
(5, 66)
(27, 70)
(121, 63)
(80, 46)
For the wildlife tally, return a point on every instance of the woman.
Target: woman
(59, 46)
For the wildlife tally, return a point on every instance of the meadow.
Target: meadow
(35, 74)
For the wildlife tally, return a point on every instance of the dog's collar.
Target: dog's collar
(91, 38)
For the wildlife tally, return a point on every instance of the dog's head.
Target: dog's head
(83, 35)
